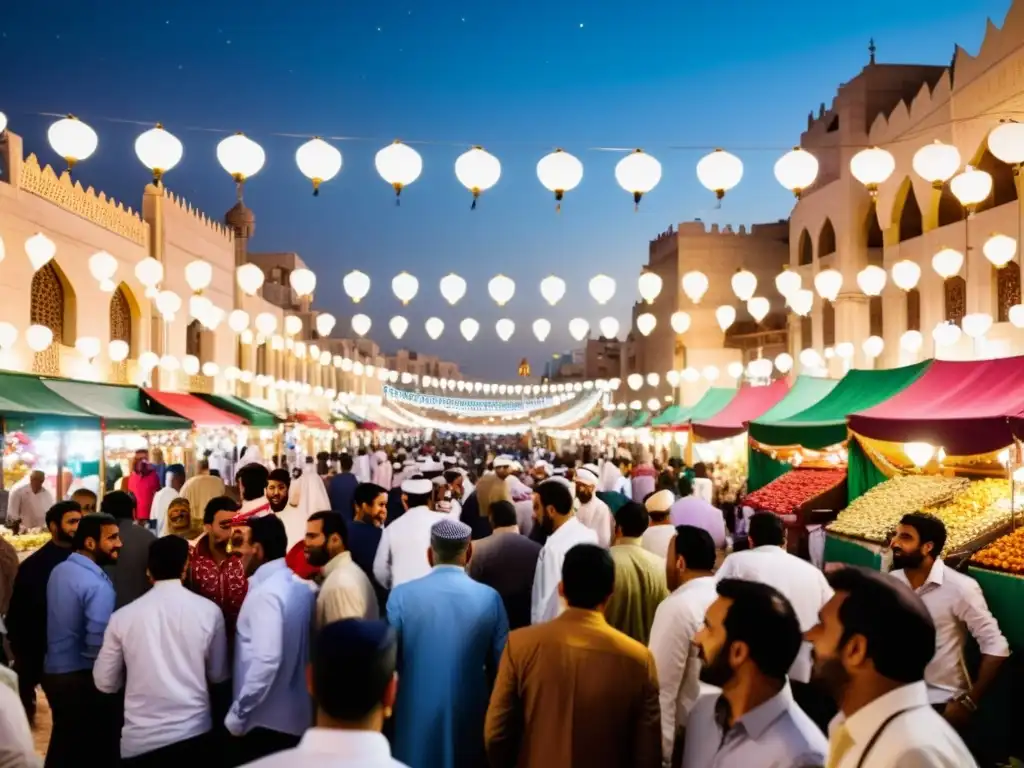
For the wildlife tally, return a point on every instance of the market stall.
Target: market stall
(748, 404)
(308, 434)
(795, 495)
(999, 571)
(216, 433)
(264, 426)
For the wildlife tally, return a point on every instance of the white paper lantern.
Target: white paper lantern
(871, 280)
(434, 327)
(845, 350)
(241, 157)
(796, 170)
(1000, 250)
(3, 122)
(760, 369)
(118, 350)
(103, 267)
(559, 172)
(149, 272)
(711, 373)
(453, 288)
(88, 347)
(1006, 142)
(634, 381)
(399, 165)
(477, 170)
(936, 163)
(265, 323)
(210, 369)
(40, 250)
(784, 362)
(199, 307)
(695, 285)
(148, 361)
(649, 284)
(198, 275)
(906, 274)
(871, 167)
(579, 328)
(609, 327)
(361, 324)
(318, 161)
(672, 378)
(809, 358)
(947, 262)
(744, 283)
(167, 304)
(788, 282)
(405, 287)
(158, 150)
(505, 328)
(645, 323)
(541, 329)
(469, 328)
(946, 334)
(976, 324)
(38, 337)
(828, 283)
(680, 322)
(552, 288)
(873, 346)
(719, 171)
(1016, 315)
(73, 140)
(325, 323)
(758, 307)
(356, 285)
(249, 278)
(653, 379)
(238, 320)
(638, 173)
(190, 365)
(734, 370)
(170, 363)
(802, 302)
(292, 325)
(971, 187)
(726, 316)
(912, 341)
(302, 281)
(602, 288)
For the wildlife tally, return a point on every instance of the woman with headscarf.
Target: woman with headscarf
(306, 496)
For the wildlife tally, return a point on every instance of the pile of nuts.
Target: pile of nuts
(874, 515)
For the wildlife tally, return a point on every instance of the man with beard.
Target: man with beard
(26, 618)
(593, 512)
(956, 604)
(346, 592)
(402, 554)
(364, 533)
(79, 601)
(872, 645)
(747, 644)
(278, 484)
(271, 707)
(552, 509)
(129, 575)
(214, 573)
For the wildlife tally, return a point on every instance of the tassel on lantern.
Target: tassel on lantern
(636, 201)
(558, 197)
(398, 194)
(476, 195)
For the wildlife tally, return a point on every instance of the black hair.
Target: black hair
(178, 470)
(700, 469)
(268, 531)
(84, 492)
(895, 623)
(766, 529)
(167, 558)
(502, 514)
(588, 576)
(761, 617)
(55, 514)
(332, 523)
(214, 473)
(366, 493)
(280, 476)
(685, 486)
(553, 494)
(418, 499)
(204, 465)
(346, 462)
(451, 475)
(254, 479)
(91, 527)
(216, 505)
(349, 684)
(666, 481)
(930, 530)
(696, 547)
(632, 519)
(119, 505)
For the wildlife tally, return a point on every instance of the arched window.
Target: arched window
(194, 339)
(910, 221)
(805, 254)
(1007, 290)
(121, 319)
(956, 299)
(913, 310)
(827, 239)
(1004, 190)
(875, 315)
(828, 323)
(950, 209)
(806, 332)
(48, 309)
(261, 359)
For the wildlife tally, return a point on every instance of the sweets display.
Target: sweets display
(786, 494)
(874, 515)
(975, 512)
(1004, 554)
(26, 542)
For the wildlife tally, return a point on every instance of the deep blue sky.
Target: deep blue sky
(519, 78)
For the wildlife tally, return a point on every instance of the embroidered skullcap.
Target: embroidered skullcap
(417, 486)
(450, 529)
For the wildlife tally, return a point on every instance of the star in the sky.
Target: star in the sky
(581, 25)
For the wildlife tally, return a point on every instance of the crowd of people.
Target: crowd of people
(438, 608)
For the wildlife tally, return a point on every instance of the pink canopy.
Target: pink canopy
(964, 407)
(748, 404)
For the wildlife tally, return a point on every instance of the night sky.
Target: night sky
(520, 78)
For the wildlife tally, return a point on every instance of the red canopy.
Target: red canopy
(312, 421)
(964, 407)
(198, 411)
(748, 404)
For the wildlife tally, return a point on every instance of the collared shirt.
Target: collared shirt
(545, 603)
(329, 748)
(161, 502)
(16, 747)
(346, 592)
(775, 734)
(252, 508)
(957, 606)
(163, 648)
(799, 581)
(657, 538)
(271, 652)
(402, 553)
(693, 510)
(79, 601)
(28, 507)
(918, 737)
(596, 515)
(224, 583)
(676, 622)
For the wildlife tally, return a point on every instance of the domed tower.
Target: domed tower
(242, 223)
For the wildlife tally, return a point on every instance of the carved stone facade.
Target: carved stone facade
(48, 311)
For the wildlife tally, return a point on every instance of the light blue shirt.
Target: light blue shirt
(776, 734)
(79, 600)
(271, 653)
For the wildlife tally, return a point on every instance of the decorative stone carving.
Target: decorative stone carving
(956, 299)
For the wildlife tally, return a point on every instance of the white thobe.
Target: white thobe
(402, 552)
(545, 602)
(598, 518)
(161, 503)
(657, 538)
(346, 592)
(28, 507)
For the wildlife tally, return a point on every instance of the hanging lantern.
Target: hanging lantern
(453, 288)
(325, 323)
(809, 358)
(758, 307)
(788, 282)
(103, 267)
(649, 284)
(695, 285)
(405, 287)
(602, 288)
(638, 173)
(784, 362)
(711, 373)
(1006, 143)
(356, 285)
(653, 379)
(1000, 250)
(734, 370)
(501, 289)
(198, 275)
(318, 161)
(871, 167)
(238, 320)
(796, 170)
(210, 369)
(169, 363)
(912, 341)
(469, 328)
(828, 283)
(579, 328)
(1016, 315)
(680, 321)
(361, 324)
(802, 302)
(292, 325)
(946, 334)
(947, 262)
(634, 381)
(609, 327)
(726, 316)
(265, 323)
(302, 281)
(88, 347)
(167, 304)
(976, 324)
(645, 323)
(3, 123)
(541, 329)
(505, 328)
(559, 172)
(905, 274)
(249, 278)
(672, 378)
(159, 151)
(720, 171)
(40, 250)
(434, 327)
(38, 337)
(241, 157)
(73, 140)
(871, 280)
(845, 350)
(190, 365)
(552, 288)
(118, 350)
(744, 283)
(478, 171)
(398, 326)
(199, 307)
(399, 165)
(873, 346)
(150, 273)
(936, 163)
(971, 187)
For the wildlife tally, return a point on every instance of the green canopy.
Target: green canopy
(640, 419)
(824, 423)
(594, 422)
(616, 421)
(256, 416)
(805, 392)
(27, 403)
(714, 400)
(125, 409)
(667, 416)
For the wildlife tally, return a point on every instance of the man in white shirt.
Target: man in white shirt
(660, 532)
(402, 552)
(165, 649)
(593, 512)
(354, 685)
(175, 479)
(552, 503)
(346, 592)
(956, 604)
(872, 643)
(27, 504)
(16, 747)
(690, 575)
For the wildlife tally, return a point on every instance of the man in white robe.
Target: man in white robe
(593, 512)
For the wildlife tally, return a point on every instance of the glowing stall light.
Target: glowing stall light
(760, 369)
(719, 172)
(784, 362)
(40, 250)
(976, 324)
(872, 167)
(1016, 315)
(198, 275)
(999, 250)
(325, 323)
(559, 172)
(936, 163)
(919, 453)
(609, 327)
(238, 320)
(691, 375)
(711, 373)
(552, 288)
(645, 323)
(541, 329)
(638, 173)
(190, 365)
(672, 378)
(318, 161)
(912, 341)
(634, 381)
(871, 280)
(906, 274)
(361, 324)
(680, 322)
(744, 283)
(38, 337)
(398, 325)
(88, 347)
(695, 285)
(726, 316)
(72, 139)
(169, 363)
(118, 350)
(758, 307)
(434, 327)
(579, 328)
(469, 328)
(1006, 143)
(453, 288)
(477, 170)
(249, 278)
(788, 282)
(3, 122)
(809, 358)
(103, 267)
(649, 284)
(796, 170)
(292, 325)
(653, 404)
(505, 328)
(947, 262)
(828, 283)
(653, 379)
(159, 150)
(356, 285)
(265, 323)
(405, 287)
(501, 289)
(873, 346)
(602, 288)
